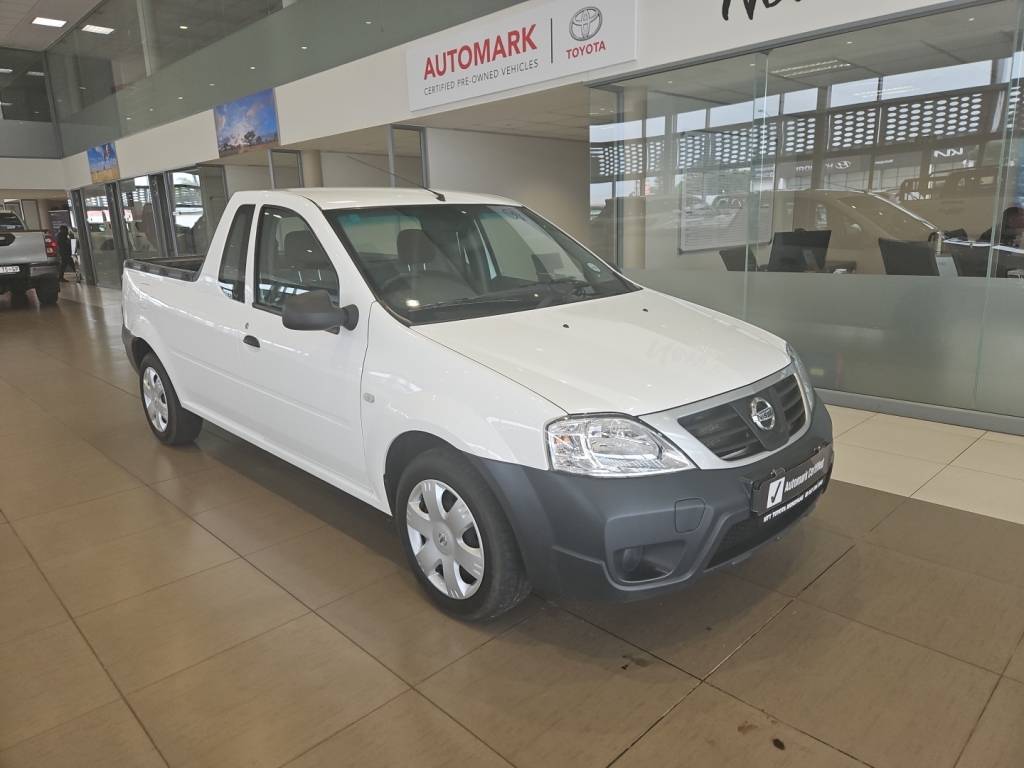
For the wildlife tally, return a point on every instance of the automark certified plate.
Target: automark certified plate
(776, 495)
(9, 270)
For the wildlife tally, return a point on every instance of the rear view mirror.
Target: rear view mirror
(314, 311)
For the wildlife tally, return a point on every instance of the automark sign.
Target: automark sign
(548, 41)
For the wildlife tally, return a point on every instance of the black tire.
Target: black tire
(504, 583)
(47, 295)
(180, 426)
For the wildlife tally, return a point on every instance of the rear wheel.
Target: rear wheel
(171, 423)
(457, 538)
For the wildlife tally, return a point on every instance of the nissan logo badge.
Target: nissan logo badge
(585, 24)
(762, 413)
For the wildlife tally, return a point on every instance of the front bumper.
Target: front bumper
(629, 538)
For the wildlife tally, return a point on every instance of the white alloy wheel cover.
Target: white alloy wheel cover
(155, 399)
(445, 539)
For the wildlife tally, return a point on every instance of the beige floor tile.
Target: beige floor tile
(852, 510)
(399, 626)
(137, 450)
(903, 440)
(883, 700)
(845, 419)
(49, 435)
(992, 495)
(156, 634)
(974, 543)
(696, 628)
(936, 426)
(25, 416)
(106, 737)
(95, 428)
(1002, 437)
(322, 566)
(555, 690)
(48, 678)
(131, 565)
(27, 604)
(33, 483)
(789, 565)
(110, 402)
(208, 489)
(994, 457)
(966, 616)
(12, 554)
(408, 730)
(888, 472)
(1015, 669)
(711, 728)
(258, 522)
(998, 741)
(266, 701)
(91, 523)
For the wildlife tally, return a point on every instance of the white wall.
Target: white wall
(341, 171)
(174, 145)
(550, 176)
(30, 173)
(247, 177)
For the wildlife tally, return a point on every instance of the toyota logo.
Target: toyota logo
(762, 413)
(586, 23)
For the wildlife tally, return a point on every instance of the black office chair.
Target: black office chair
(902, 257)
(736, 258)
(799, 251)
(971, 259)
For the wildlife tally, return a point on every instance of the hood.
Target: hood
(637, 353)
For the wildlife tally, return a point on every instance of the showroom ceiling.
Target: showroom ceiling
(18, 31)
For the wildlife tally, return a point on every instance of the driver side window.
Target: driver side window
(289, 259)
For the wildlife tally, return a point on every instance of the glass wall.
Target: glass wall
(857, 194)
(25, 106)
(102, 241)
(161, 61)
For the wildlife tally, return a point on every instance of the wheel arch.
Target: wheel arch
(403, 449)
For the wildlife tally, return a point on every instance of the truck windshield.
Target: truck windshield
(10, 222)
(433, 263)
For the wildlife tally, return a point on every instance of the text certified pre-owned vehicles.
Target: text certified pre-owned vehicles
(528, 415)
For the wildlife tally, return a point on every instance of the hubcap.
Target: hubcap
(445, 539)
(155, 399)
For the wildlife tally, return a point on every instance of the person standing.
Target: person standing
(64, 251)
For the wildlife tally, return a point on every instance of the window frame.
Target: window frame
(238, 289)
(256, 303)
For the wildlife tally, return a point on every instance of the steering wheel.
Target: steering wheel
(386, 285)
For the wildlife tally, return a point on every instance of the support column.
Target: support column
(312, 168)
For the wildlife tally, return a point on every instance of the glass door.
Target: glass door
(285, 168)
(102, 239)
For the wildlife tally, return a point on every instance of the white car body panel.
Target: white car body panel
(588, 357)
(333, 404)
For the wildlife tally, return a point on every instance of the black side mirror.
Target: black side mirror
(314, 311)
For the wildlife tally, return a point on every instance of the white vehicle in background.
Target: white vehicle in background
(528, 415)
(28, 259)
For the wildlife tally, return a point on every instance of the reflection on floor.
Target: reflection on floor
(209, 605)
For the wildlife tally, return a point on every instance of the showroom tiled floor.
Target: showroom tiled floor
(209, 605)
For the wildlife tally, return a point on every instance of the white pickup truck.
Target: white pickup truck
(526, 414)
(28, 259)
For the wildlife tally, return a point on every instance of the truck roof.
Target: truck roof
(374, 197)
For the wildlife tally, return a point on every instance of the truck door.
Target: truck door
(303, 386)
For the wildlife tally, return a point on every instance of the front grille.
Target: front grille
(747, 534)
(788, 391)
(724, 431)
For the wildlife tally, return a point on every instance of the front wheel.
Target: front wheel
(457, 538)
(171, 423)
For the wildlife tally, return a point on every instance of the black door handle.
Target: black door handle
(252, 341)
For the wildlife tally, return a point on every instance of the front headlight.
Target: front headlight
(611, 446)
(803, 377)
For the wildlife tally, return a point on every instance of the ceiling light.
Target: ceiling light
(5, 71)
(252, 67)
(183, 26)
(127, 118)
(369, 22)
(97, 30)
(212, 84)
(800, 70)
(180, 98)
(81, 87)
(42, 21)
(849, 42)
(971, 19)
(33, 73)
(304, 47)
(6, 103)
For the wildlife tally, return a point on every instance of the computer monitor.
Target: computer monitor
(902, 257)
(799, 251)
